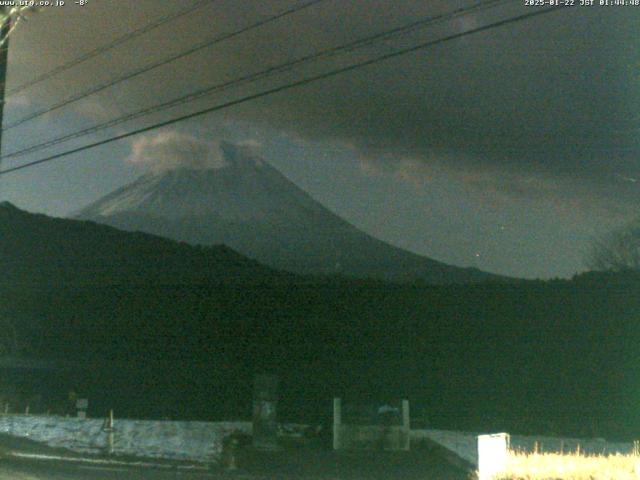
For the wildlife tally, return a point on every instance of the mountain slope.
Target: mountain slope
(40, 250)
(251, 207)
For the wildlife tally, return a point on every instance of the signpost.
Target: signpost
(265, 418)
(82, 404)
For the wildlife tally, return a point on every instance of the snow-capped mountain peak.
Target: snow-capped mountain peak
(251, 207)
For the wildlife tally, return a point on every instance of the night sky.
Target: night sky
(508, 149)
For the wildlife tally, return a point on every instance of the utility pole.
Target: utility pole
(4, 61)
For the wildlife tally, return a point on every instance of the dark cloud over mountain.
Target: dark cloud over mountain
(552, 92)
(542, 108)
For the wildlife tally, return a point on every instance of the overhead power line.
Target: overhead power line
(359, 43)
(11, 17)
(155, 65)
(271, 91)
(109, 46)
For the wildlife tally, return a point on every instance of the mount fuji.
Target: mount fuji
(251, 207)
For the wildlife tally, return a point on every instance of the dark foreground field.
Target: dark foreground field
(311, 462)
(304, 462)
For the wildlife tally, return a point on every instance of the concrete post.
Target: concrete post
(493, 451)
(337, 423)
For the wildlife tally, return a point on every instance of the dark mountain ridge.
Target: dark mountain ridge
(37, 249)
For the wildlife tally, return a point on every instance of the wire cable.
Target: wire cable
(109, 46)
(153, 66)
(13, 16)
(304, 81)
(369, 40)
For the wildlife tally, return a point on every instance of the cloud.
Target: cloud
(525, 107)
(171, 150)
(20, 101)
(251, 145)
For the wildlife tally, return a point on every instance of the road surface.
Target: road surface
(285, 464)
(27, 469)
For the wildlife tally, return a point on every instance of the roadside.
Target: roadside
(27, 460)
(17, 448)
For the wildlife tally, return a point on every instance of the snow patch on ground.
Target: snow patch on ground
(202, 441)
(194, 441)
(465, 444)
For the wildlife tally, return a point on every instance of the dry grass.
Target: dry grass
(571, 466)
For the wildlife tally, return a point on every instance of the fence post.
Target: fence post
(493, 451)
(406, 426)
(110, 439)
